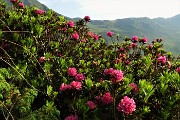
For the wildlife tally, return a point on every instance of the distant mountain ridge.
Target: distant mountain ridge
(166, 28)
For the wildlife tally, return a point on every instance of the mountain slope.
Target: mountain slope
(167, 29)
(29, 3)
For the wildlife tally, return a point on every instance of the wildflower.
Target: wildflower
(178, 70)
(64, 87)
(110, 34)
(71, 24)
(21, 5)
(39, 12)
(126, 105)
(41, 59)
(72, 117)
(14, 1)
(96, 37)
(76, 85)
(79, 77)
(91, 34)
(134, 87)
(87, 18)
(106, 98)
(108, 71)
(72, 71)
(134, 39)
(91, 104)
(144, 40)
(162, 59)
(75, 36)
(83, 40)
(64, 29)
(117, 76)
(134, 45)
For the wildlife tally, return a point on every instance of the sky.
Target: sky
(114, 9)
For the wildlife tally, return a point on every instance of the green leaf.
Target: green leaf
(49, 90)
(89, 83)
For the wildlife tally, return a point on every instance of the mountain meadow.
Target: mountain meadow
(57, 68)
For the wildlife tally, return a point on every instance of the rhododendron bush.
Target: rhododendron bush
(52, 68)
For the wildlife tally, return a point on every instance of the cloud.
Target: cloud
(114, 9)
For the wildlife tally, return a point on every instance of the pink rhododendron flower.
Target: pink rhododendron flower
(134, 45)
(76, 85)
(162, 59)
(87, 18)
(79, 77)
(96, 37)
(83, 40)
(72, 117)
(14, 1)
(39, 12)
(108, 71)
(127, 105)
(178, 70)
(134, 39)
(144, 40)
(150, 46)
(41, 59)
(64, 87)
(117, 76)
(110, 34)
(106, 98)
(91, 34)
(21, 5)
(135, 88)
(75, 36)
(72, 71)
(64, 29)
(71, 24)
(91, 104)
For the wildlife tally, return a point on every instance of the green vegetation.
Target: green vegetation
(52, 69)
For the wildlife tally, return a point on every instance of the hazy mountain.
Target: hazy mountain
(167, 29)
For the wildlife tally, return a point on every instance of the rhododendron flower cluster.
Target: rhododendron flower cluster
(162, 59)
(126, 105)
(178, 70)
(106, 98)
(76, 85)
(14, 1)
(79, 77)
(110, 34)
(116, 75)
(134, 45)
(70, 24)
(75, 36)
(135, 88)
(72, 117)
(64, 87)
(73, 85)
(91, 105)
(39, 12)
(72, 71)
(134, 39)
(21, 5)
(144, 40)
(41, 59)
(87, 18)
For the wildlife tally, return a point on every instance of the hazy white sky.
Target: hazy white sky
(114, 9)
